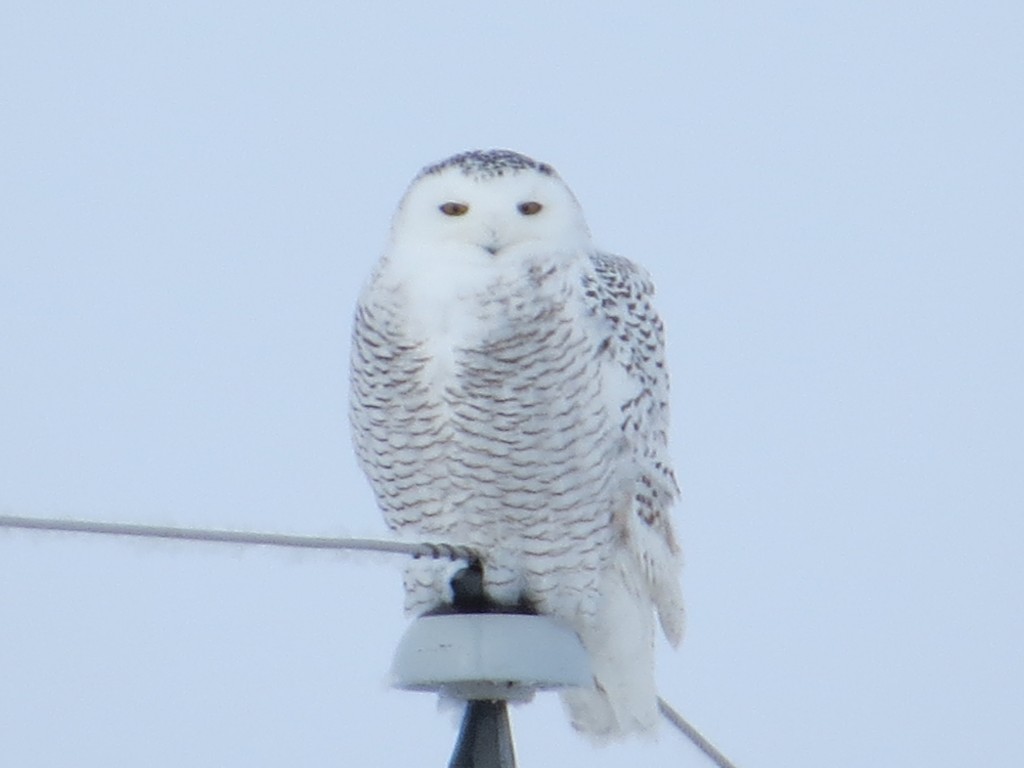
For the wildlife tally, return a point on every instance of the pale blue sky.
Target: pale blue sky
(830, 197)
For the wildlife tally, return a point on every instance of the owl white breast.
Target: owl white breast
(509, 393)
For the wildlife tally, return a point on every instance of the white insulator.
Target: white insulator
(490, 656)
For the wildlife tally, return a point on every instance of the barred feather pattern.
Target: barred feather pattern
(499, 456)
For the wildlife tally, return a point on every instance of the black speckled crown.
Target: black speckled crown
(486, 164)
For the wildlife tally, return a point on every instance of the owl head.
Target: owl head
(492, 203)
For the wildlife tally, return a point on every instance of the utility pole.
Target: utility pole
(485, 738)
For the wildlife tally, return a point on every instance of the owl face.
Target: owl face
(493, 203)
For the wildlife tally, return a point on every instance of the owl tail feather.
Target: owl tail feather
(620, 642)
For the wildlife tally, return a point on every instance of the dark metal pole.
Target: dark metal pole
(485, 739)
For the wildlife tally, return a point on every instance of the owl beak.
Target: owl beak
(493, 243)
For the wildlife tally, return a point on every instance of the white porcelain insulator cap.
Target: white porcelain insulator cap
(490, 656)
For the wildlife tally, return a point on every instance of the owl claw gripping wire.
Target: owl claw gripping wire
(448, 552)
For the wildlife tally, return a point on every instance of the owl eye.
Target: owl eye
(530, 208)
(453, 209)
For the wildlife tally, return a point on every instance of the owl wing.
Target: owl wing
(618, 295)
(398, 434)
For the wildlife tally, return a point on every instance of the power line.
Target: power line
(435, 551)
(693, 735)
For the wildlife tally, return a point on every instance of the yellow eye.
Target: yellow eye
(453, 209)
(530, 208)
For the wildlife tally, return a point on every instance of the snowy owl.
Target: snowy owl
(509, 393)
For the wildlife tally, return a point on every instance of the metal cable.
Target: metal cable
(436, 551)
(694, 735)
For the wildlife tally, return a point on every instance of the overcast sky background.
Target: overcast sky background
(830, 197)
